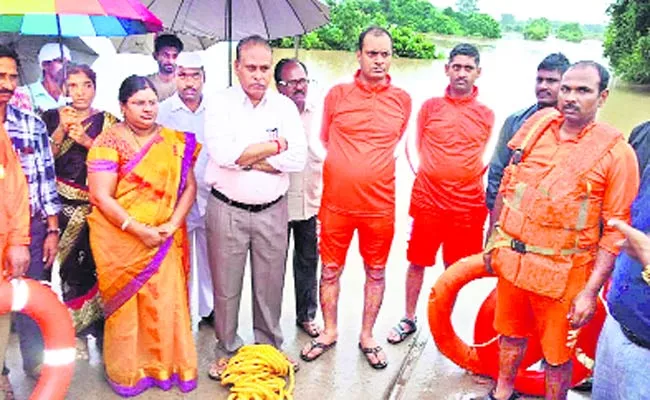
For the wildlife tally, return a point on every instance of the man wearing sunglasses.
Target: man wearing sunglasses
(303, 197)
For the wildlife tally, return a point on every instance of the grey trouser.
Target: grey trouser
(232, 233)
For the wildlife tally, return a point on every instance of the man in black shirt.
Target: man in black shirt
(547, 87)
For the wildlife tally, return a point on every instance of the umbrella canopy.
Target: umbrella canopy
(144, 44)
(73, 18)
(213, 20)
(27, 48)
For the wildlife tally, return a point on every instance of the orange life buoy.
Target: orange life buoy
(483, 358)
(441, 303)
(29, 297)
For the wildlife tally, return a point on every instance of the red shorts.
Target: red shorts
(459, 237)
(520, 313)
(336, 231)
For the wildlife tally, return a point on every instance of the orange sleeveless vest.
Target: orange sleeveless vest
(543, 217)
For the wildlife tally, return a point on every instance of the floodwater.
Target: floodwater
(506, 83)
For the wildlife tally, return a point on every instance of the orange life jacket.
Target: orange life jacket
(543, 217)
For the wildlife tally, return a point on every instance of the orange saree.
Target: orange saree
(148, 340)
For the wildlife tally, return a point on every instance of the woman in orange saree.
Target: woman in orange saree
(142, 187)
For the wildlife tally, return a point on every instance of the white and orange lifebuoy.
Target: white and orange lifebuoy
(483, 359)
(29, 297)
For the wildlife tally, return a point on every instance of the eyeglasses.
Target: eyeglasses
(295, 82)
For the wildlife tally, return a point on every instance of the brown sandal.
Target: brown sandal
(217, 369)
(5, 388)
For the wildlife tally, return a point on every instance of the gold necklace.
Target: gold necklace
(135, 135)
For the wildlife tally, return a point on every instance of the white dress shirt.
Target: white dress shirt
(232, 124)
(306, 188)
(174, 114)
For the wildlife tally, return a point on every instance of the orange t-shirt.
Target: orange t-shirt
(14, 209)
(361, 128)
(452, 134)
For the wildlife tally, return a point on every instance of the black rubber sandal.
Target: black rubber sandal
(375, 351)
(316, 345)
(403, 334)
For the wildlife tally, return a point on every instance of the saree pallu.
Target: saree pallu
(148, 339)
(77, 266)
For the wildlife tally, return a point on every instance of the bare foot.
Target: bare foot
(311, 328)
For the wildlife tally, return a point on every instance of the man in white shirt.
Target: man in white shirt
(47, 93)
(304, 196)
(254, 138)
(185, 111)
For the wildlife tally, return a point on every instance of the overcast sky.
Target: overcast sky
(583, 11)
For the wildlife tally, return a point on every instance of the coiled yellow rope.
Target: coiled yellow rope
(258, 372)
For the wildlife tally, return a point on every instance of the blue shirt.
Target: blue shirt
(502, 152)
(629, 295)
(32, 144)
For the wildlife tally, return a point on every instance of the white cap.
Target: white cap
(52, 51)
(189, 60)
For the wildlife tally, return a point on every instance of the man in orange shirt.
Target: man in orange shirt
(362, 123)
(448, 199)
(14, 203)
(547, 248)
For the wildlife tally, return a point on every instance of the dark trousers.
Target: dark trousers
(31, 341)
(305, 267)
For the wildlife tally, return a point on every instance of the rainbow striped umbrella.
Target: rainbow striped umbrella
(74, 18)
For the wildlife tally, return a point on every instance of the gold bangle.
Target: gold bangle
(645, 274)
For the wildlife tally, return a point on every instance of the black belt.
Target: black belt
(247, 207)
(632, 337)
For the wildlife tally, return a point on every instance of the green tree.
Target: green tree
(421, 16)
(407, 20)
(482, 25)
(467, 7)
(537, 29)
(570, 32)
(411, 44)
(627, 44)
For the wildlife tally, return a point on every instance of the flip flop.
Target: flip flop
(401, 332)
(314, 344)
(309, 327)
(373, 350)
(217, 368)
